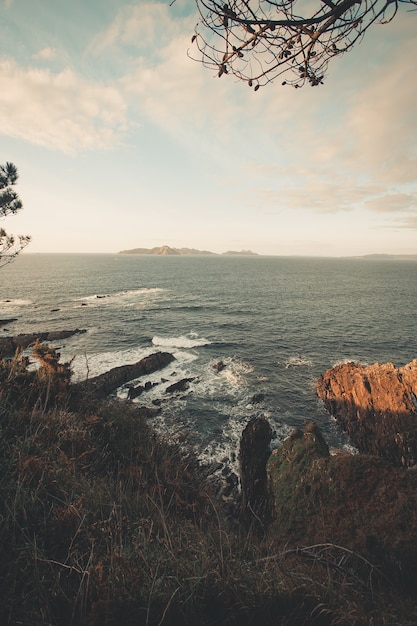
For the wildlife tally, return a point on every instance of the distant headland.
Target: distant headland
(167, 251)
(389, 256)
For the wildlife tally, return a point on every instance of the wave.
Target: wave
(298, 361)
(236, 372)
(225, 447)
(89, 365)
(192, 340)
(9, 304)
(125, 294)
(351, 359)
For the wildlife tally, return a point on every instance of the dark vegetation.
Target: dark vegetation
(102, 522)
(357, 501)
(10, 204)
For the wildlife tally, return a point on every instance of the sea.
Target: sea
(275, 323)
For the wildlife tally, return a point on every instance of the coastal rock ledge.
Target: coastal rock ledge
(376, 406)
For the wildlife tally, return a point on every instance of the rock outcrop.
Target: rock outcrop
(104, 384)
(356, 501)
(180, 385)
(9, 345)
(253, 455)
(376, 406)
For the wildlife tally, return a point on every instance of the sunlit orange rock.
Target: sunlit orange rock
(376, 406)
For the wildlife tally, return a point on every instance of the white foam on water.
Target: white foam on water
(230, 383)
(236, 372)
(225, 448)
(130, 297)
(14, 304)
(298, 361)
(172, 373)
(347, 360)
(89, 365)
(191, 340)
(184, 357)
(224, 393)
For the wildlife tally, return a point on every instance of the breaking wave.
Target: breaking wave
(192, 340)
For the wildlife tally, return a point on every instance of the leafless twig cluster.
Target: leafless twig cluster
(258, 40)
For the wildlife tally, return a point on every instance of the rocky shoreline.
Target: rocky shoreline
(9, 345)
(365, 502)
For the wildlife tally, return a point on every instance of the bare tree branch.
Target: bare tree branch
(258, 40)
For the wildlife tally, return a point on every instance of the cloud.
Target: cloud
(349, 143)
(393, 203)
(147, 27)
(353, 142)
(408, 222)
(381, 120)
(61, 111)
(46, 54)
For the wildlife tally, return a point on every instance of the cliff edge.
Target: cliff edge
(376, 406)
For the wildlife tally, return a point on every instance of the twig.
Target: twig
(308, 552)
(70, 567)
(175, 591)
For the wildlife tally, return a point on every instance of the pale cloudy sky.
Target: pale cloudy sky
(122, 141)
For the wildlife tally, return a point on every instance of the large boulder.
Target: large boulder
(356, 501)
(376, 406)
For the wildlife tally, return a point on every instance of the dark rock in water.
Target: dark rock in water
(219, 366)
(104, 384)
(147, 412)
(257, 398)
(8, 321)
(376, 406)
(181, 385)
(55, 310)
(9, 345)
(253, 455)
(135, 392)
(357, 501)
(61, 334)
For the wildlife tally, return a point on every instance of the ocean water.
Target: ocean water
(276, 323)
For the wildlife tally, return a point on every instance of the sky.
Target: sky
(122, 141)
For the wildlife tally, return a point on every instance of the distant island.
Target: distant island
(167, 251)
(389, 256)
